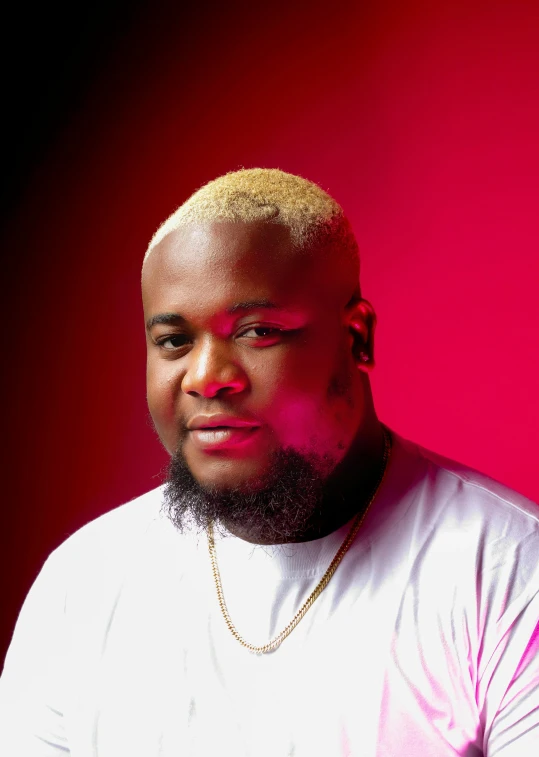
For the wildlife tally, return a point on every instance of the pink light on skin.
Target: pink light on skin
(221, 439)
(238, 325)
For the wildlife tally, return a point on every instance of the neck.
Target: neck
(347, 491)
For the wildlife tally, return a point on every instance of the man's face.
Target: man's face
(249, 352)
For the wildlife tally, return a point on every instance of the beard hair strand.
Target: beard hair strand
(279, 508)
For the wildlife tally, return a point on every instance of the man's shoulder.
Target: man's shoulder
(89, 570)
(480, 486)
(116, 531)
(454, 516)
(461, 491)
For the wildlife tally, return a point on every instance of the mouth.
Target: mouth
(221, 437)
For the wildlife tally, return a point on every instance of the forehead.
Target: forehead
(215, 264)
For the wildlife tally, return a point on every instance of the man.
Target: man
(306, 582)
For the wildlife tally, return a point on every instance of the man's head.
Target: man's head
(258, 341)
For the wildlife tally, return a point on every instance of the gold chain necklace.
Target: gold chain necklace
(358, 520)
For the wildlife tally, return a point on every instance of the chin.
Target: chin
(224, 474)
(278, 494)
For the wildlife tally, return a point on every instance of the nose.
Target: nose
(211, 370)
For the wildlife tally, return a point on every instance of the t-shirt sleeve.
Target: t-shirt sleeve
(510, 676)
(33, 682)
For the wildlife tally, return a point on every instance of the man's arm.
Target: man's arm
(32, 685)
(515, 727)
(509, 677)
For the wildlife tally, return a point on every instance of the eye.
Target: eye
(173, 342)
(259, 332)
(261, 336)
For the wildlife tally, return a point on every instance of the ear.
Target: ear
(361, 322)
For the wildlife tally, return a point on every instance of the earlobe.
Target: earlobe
(362, 323)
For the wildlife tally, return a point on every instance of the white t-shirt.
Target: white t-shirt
(425, 643)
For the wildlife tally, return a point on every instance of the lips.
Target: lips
(215, 432)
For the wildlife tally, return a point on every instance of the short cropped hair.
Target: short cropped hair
(314, 218)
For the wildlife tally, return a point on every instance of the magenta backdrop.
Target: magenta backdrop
(421, 119)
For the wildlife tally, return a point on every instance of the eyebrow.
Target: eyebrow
(168, 319)
(252, 305)
(174, 319)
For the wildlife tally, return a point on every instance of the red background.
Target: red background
(422, 119)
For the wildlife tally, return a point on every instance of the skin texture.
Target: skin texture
(294, 370)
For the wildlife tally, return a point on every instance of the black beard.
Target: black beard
(283, 507)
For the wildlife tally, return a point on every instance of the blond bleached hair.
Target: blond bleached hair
(315, 220)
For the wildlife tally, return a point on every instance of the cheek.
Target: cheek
(341, 383)
(161, 404)
(289, 377)
(310, 399)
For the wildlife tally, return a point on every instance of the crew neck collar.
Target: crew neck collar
(312, 558)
